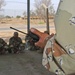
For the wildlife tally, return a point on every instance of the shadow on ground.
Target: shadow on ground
(28, 63)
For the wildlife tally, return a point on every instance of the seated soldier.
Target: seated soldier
(3, 46)
(29, 43)
(15, 43)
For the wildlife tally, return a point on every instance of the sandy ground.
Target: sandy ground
(28, 63)
(6, 32)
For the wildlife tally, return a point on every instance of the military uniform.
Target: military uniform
(29, 45)
(15, 44)
(3, 46)
(57, 60)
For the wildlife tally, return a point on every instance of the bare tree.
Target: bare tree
(24, 14)
(2, 3)
(41, 10)
(32, 13)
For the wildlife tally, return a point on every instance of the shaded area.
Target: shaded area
(28, 63)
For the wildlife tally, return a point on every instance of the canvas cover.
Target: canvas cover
(65, 25)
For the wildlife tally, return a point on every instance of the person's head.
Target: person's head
(46, 32)
(15, 34)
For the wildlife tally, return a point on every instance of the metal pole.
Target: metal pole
(47, 17)
(48, 29)
(28, 15)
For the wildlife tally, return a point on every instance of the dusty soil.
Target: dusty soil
(28, 63)
(20, 21)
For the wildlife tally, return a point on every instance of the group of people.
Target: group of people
(15, 45)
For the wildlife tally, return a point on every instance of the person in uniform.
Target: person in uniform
(55, 58)
(29, 43)
(15, 43)
(3, 46)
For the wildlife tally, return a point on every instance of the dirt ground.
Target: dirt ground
(28, 63)
(20, 21)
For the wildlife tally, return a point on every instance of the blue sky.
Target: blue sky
(20, 6)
